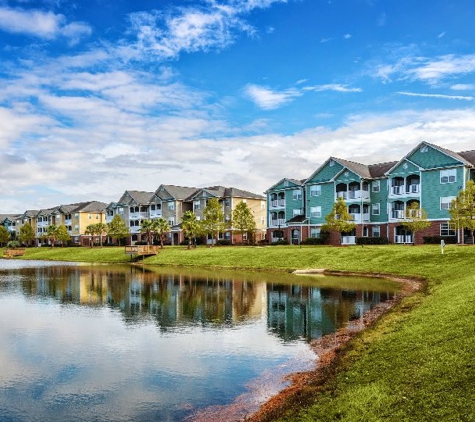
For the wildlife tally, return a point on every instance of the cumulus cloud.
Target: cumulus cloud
(41, 24)
(268, 99)
(192, 28)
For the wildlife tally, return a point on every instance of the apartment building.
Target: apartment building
(170, 202)
(377, 196)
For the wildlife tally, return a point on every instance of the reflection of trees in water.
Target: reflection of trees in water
(311, 312)
(171, 299)
(180, 299)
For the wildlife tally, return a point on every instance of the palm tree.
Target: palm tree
(148, 229)
(52, 234)
(191, 226)
(161, 227)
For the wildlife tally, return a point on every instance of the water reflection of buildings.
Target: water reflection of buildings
(296, 311)
(174, 300)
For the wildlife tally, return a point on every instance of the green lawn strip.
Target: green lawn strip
(414, 364)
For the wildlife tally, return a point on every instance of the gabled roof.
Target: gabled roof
(9, 217)
(361, 170)
(179, 193)
(379, 170)
(224, 192)
(137, 196)
(445, 151)
(469, 156)
(294, 181)
(91, 206)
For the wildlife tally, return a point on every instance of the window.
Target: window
(119, 211)
(448, 176)
(171, 221)
(375, 209)
(227, 202)
(376, 231)
(297, 211)
(171, 206)
(365, 231)
(315, 232)
(375, 186)
(446, 202)
(196, 205)
(316, 212)
(446, 229)
(90, 216)
(315, 190)
(297, 194)
(263, 205)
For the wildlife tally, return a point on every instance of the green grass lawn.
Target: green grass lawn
(416, 364)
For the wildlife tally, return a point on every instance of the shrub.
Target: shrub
(281, 242)
(435, 240)
(372, 241)
(223, 242)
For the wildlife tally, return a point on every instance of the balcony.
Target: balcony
(348, 240)
(401, 239)
(277, 223)
(397, 214)
(356, 217)
(155, 214)
(353, 194)
(138, 215)
(406, 189)
(277, 203)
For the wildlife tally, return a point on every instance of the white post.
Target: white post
(442, 246)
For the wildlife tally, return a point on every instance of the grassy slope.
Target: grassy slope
(417, 363)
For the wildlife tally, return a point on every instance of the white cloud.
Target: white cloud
(40, 24)
(441, 96)
(462, 87)
(193, 28)
(428, 70)
(332, 87)
(267, 99)
(347, 36)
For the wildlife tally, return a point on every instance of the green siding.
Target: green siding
(282, 185)
(325, 200)
(380, 197)
(404, 168)
(347, 176)
(432, 159)
(326, 173)
(432, 190)
(291, 203)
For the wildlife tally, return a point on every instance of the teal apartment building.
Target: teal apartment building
(377, 196)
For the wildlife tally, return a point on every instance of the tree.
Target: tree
(52, 234)
(4, 235)
(91, 231)
(191, 226)
(147, 227)
(415, 219)
(213, 222)
(161, 228)
(462, 209)
(27, 234)
(63, 235)
(101, 231)
(243, 220)
(117, 229)
(339, 219)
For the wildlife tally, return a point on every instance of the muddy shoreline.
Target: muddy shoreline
(330, 350)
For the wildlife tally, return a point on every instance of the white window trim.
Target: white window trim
(448, 176)
(376, 209)
(446, 202)
(375, 186)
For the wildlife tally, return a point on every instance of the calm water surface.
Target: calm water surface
(110, 343)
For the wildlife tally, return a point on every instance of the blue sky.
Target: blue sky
(98, 96)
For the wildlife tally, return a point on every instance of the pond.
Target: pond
(123, 343)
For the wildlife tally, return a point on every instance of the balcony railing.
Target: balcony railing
(403, 238)
(278, 222)
(353, 194)
(405, 189)
(357, 216)
(348, 240)
(277, 203)
(137, 215)
(399, 214)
